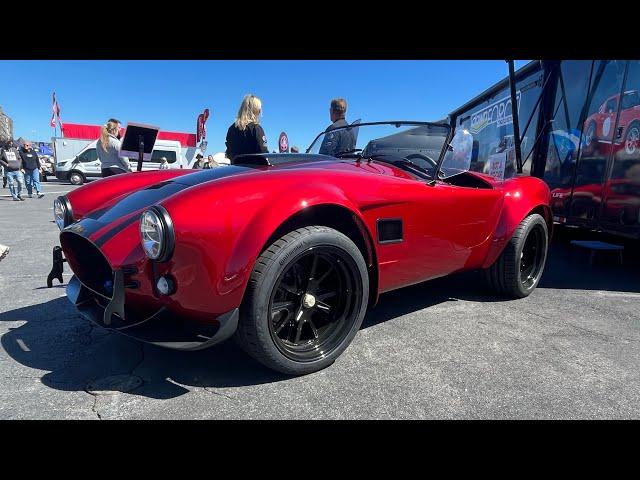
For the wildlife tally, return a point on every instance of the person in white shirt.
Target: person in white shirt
(108, 150)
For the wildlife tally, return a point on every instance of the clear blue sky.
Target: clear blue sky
(295, 94)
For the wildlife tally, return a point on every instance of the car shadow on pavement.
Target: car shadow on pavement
(74, 354)
(569, 267)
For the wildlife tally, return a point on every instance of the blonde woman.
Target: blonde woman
(108, 150)
(246, 135)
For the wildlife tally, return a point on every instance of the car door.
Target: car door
(440, 226)
(89, 164)
(463, 219)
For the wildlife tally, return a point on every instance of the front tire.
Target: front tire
(305, 301)
(517, 272)
(76, 178)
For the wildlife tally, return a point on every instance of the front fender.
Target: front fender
(106, 191)
(222, 229)
(260, 227)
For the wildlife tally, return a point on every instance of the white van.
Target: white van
(85, 165)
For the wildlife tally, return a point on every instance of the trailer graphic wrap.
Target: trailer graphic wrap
(498, 113)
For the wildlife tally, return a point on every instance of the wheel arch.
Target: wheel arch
(342, 219)
(524, 196)
(545, 212)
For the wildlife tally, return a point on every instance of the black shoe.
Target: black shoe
(40, 195)
(20, 198)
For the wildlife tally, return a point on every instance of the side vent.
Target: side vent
(389, 230)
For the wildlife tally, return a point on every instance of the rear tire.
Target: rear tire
(305, 301)
(517, 272)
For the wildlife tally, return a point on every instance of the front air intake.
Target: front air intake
(88, 263)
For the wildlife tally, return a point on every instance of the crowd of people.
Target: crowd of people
(244, 136)
(20, 169)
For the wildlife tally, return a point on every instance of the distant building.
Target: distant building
(6, 126)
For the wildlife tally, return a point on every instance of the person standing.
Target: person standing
(164, 163)
(341, 141)
(108, 150)
(31, 165)
(2, 173)
(3, 170)
(12, 162)
(245, 135)
(198, 163)
(211, 162)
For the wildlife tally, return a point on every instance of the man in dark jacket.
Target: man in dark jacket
(12, 162)
(343, 140)
(31, 165)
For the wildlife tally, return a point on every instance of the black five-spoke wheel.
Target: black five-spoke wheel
(311, 300)
(518, 270)
(305, 301)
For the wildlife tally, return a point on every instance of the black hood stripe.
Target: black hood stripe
(100, 241)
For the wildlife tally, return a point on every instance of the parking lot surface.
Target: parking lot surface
(438, 350)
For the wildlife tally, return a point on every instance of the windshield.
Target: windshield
(413, 146)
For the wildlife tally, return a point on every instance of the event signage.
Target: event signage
(201, 129)
(497, 163)
(283, 143)
(498, 113)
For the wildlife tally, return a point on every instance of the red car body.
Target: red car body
(225, 217)
(622, 206)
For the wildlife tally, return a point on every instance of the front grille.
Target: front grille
(88, 263)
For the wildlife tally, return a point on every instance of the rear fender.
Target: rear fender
(522, 196)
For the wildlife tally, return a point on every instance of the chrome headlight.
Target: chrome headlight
(156, 234)
(62, 212)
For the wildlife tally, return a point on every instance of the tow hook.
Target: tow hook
(57, 268)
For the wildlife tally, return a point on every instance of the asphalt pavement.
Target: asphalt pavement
(445, 349)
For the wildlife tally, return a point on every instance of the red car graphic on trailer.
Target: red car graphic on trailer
(598, 128)
(285, 252)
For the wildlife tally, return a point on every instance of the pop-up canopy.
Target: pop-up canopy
(92, 132)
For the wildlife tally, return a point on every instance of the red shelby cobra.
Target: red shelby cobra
(286, 252)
